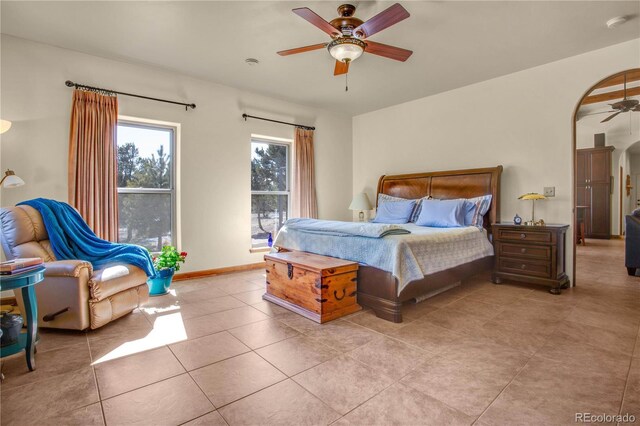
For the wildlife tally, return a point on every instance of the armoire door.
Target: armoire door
(600, 211)
(600, 167)
(582, 167)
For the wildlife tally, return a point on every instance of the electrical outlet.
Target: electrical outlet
(549, 191)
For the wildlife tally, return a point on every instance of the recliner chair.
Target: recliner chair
(72, 296)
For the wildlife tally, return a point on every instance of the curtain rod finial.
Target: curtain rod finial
(69, 83)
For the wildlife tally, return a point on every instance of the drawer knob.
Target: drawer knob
(523, 250)
(523, 236)
(524, 266)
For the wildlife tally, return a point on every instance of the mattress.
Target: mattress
(408, 257)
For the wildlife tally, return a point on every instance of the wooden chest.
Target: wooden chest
(318, 287)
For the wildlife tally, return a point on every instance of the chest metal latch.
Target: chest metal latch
(290, 271)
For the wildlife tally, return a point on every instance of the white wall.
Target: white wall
(215, 144)
(522, 121)
(635, 163)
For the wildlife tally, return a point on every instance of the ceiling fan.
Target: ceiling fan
(349, 35)
(625, 105)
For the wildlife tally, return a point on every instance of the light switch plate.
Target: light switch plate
(549, 191)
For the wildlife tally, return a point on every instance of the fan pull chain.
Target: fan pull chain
(346, 82)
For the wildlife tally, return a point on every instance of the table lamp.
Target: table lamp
(533, 196)
(360, 202)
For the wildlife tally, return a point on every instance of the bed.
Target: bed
(382, 290)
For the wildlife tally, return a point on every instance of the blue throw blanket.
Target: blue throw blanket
(345, 229)
(71, 238)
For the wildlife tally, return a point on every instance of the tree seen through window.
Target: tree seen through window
(269, 190)
(145, 185)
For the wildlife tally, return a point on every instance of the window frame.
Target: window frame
(174, 129)
(273, 141)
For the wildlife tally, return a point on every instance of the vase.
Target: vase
(160, 284)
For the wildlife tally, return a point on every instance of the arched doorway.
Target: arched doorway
(596, 215)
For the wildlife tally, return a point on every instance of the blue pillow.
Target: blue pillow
(384, 198)
(636, 212)
(394, 212)
(443, 213)
(469, 212)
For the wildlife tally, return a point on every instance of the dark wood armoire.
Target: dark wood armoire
(594, 190)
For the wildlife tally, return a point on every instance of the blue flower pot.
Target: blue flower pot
(160, 284)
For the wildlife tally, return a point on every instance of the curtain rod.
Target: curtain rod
(70, 83)
(245, 116)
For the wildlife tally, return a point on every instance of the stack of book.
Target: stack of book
(20, 266)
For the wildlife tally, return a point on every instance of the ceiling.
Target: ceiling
(622, 131)
(454, 43)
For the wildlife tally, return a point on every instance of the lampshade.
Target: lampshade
(532, 196)
(360, 202)
(346, 49)
(10, 180)
(4, 125)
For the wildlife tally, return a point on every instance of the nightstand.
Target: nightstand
(530, 254)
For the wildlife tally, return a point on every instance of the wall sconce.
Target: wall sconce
(10, 180)
(4, 125)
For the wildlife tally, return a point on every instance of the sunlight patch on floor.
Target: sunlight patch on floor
(167, 329)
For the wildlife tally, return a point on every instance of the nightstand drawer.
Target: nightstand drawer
(529, 267)
(524, 251)
(524, 235)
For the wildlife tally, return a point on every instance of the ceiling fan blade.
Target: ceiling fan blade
(611, 116)
(387, 51)
(382, 20)
(341, 68)
(599, 112)
(315, 19)
(302, 49)
(581, 116)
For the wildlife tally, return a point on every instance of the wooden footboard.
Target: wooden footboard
(378, 289)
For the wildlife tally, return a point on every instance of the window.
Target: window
(270, 192)
(146, 184)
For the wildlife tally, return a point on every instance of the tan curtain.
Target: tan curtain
(93, 161)
(304, 199)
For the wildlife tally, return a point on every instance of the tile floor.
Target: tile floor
(214, 353)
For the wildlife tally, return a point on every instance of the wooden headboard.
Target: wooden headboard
(448, 185)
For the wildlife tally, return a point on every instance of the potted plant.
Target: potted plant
(166, 263)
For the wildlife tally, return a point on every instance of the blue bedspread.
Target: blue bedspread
(71, 238)
(418, 252)
(344, 229)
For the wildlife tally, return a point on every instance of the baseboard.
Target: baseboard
(617, 237)
(217, 271)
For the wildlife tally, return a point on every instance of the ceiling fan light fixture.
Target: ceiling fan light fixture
(346, 49)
